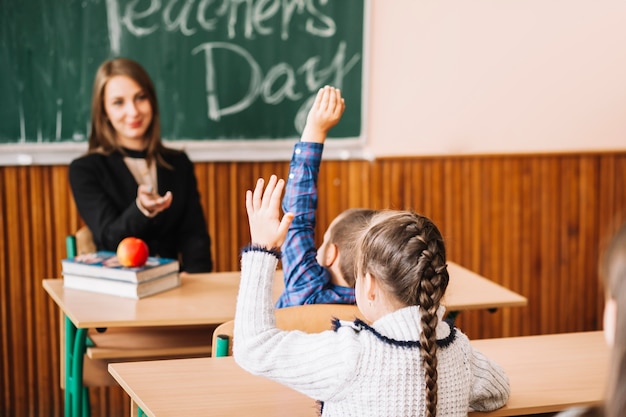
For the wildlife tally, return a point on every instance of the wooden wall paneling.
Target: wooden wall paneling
(203, 175)
(223, 237)
(28, 207)
(528, 255)
(529, 222)
(330, 201)
(5, 357)
(547, 274)
(235, 202)
(17, 347)
(473, 206)
(37, 326)
(358, 184)
(437, 198)
(414, 180)
(375, 185)
(451, 226)
(512, 239)
(395, 192)
(492, 230)
(567, 242)
(588, 285)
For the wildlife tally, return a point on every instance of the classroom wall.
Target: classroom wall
(533, 223)
(480, 76)
(538, 85)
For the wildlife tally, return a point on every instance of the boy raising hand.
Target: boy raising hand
(312, 275)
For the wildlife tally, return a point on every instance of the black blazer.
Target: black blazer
(105, 192)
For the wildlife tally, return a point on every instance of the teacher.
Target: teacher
(129, 183)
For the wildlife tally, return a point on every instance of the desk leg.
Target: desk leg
(76, 396)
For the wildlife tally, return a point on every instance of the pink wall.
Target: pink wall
(493, 76)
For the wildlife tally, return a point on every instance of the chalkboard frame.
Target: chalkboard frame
(61, 153)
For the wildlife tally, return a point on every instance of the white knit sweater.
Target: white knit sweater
(352, 370)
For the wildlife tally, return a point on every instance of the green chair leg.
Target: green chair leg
(70, 336)
(86, 404)
(76, 395)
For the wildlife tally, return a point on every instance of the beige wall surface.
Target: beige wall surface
(496, 76)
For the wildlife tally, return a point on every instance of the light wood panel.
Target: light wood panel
(533, 223)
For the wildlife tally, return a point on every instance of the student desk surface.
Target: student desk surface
(548, 373)
(210, 299)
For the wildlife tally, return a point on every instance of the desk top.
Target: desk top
(550, 373)
(211, 299)
(207, 387)
(547, 373)
(469, 291)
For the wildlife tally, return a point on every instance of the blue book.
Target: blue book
(104, 264)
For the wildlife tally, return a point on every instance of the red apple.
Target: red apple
(132, 252)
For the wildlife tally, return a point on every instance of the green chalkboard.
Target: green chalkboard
(223, 69)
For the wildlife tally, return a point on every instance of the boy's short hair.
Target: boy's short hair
(344, 232)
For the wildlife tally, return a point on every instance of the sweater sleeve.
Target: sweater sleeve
(319, 365)
(490, 387)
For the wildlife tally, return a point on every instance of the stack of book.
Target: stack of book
(101, 272)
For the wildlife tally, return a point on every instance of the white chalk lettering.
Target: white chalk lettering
(268, 87)
(181, 20)
(286, 90)
(209, 24)
(247, 18)
(131, 15)
(228, 20)
(328, 28)
(214, 112)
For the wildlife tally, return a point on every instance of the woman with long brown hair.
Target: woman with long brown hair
(129, 183)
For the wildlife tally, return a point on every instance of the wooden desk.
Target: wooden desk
(201, 299)
(550, 373)
(211, 299)
(547, 373)
(206, 387)
(469, 291)
(207, 299)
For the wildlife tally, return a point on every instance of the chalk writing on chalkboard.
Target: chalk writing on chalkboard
(224, 70)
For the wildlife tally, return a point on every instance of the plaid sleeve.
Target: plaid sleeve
(306, 281)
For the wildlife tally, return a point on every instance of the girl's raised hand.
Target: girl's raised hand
(267, 229)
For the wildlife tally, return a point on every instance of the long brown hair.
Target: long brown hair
(102, 138)
(405, 252)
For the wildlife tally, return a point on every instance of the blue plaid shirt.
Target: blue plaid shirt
(306, 281)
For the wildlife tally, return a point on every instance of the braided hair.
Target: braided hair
(405, 252)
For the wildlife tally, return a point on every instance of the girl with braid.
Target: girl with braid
(407, 362)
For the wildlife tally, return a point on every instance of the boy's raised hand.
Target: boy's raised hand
(263, 206)
(324, 114)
